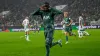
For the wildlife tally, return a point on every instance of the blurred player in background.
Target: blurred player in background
(47, 14)
(67, 22)
(81, 29)
(36, 26)
(63, 30)
(25, 23)
(67, 25)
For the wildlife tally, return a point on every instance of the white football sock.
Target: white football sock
(27, 37)
(79, 32)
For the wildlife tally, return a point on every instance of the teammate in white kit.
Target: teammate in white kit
(81, 29)
(25, 23)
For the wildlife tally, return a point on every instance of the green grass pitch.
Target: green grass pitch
(13, 44)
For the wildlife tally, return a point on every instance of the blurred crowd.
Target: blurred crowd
(21, 8)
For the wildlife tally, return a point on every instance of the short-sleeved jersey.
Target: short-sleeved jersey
(47, 16)
(67, 21)
(81, 21)
(25, 22)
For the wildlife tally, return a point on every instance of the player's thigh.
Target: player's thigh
(49, 36)
(50, 33)
(67, 29)
(49, 41)
(45, 34)
(70, 29)
(26, 28)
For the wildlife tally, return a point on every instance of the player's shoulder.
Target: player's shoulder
(68, 18)
(52, 9)
(80, 17)
(26, 20)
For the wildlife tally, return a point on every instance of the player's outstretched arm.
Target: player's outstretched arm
(71, 21)
(36, 12)
(57, 12)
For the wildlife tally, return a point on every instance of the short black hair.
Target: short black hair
(46, 4)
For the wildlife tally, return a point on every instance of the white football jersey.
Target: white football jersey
(25, 22)
(81, 21)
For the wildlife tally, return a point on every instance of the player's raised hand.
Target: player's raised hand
(42, 7)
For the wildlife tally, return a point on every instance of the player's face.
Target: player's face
(46, 7)
(65, 14)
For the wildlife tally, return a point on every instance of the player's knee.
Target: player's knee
(66, 33)
(49, 42)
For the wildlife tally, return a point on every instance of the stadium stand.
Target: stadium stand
(21, 8)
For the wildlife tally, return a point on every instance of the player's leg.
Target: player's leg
(27, 35)
(47, 47)
(66, 34)
(25, 29)
(49, 38)
(34, 29)
(46, 42)
(50, 35)
(71, 33)
(86, 33)
(38, 29)
(80, 32)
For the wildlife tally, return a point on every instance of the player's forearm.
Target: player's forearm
(35, 12)
(57, 11)
(70, 22)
